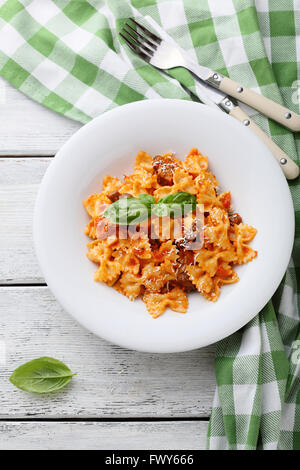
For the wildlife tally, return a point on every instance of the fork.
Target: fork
(164, 55)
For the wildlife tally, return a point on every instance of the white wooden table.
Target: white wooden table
(120, 399)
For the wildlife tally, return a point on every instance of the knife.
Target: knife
(264, 105)
(215, 96)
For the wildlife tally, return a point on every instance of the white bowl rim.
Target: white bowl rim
(88, 322)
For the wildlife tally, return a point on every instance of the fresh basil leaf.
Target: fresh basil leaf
(178, 198)
(175, 205)
(127, 211)
(147, 199)
(132, 210)
(41, 375)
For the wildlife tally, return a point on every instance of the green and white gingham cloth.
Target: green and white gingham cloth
(66, 54)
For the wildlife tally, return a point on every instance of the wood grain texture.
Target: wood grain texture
(28, 128)
(19, 182)
(181, 435)
(111, 381)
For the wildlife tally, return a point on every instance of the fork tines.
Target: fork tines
(143, 43)
(146, 31)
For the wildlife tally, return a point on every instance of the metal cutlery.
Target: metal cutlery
(165, 55)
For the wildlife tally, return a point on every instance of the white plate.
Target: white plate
(109, 144)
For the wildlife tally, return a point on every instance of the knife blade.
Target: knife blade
(219, 82)
(208, 95)
(215, 97)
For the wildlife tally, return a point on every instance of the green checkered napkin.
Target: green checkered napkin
(66, 55)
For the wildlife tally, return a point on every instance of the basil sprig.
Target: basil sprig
(41, 375)
(147, 199)
(128, 211)
(132, 210)
(175, 205)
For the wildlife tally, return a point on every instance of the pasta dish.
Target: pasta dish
(166, 230)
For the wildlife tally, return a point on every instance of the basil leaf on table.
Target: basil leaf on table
(175, 205)
(41, 375)
(127, 211)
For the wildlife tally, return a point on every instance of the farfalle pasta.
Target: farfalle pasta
(159, 253)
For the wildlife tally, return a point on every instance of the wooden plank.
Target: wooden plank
(19, 182)
(180, 435)
(111, 381)
(28, 128)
